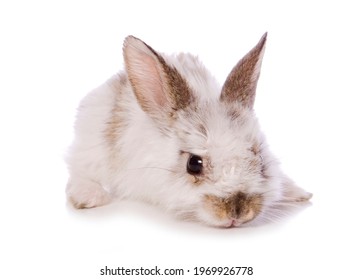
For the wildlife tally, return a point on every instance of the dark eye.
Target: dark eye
(194, 166)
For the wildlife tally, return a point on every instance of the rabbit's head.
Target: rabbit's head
(220, 170)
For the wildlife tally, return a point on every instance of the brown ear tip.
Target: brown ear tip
(263, 39)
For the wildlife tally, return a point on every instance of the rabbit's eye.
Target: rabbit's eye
(194, 165)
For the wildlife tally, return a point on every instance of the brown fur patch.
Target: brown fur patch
(217, 205)
(115, 124)
(255, 149)
(240, 206)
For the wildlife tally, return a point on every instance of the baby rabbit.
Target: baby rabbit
(165, 132)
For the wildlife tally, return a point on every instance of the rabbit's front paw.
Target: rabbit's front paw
(86, 194)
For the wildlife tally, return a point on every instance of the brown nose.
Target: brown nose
(236, 204)
(242, 205)
(239, 207)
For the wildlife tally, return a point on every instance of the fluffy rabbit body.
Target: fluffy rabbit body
(164, 131)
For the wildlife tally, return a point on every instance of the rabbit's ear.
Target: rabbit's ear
(157, 85)
(240, 85)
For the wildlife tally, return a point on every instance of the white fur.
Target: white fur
(144, 163)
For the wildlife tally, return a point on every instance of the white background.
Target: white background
(53, 52)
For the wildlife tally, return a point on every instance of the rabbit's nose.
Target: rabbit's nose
(243, 207)
(236, 204)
